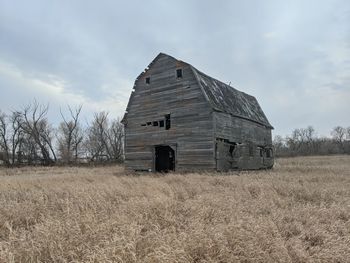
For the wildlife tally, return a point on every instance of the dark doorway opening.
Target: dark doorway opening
(164, 159)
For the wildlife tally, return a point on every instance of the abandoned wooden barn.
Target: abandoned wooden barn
(179, 118)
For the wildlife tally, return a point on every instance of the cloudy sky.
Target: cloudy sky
(293, 56)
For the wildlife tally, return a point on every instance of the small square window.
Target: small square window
(148, 80)
(179, 73)
(161, 123)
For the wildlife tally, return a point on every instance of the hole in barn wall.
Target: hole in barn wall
(231, 150)
(167, 122)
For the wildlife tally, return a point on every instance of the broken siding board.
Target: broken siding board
(250, 134)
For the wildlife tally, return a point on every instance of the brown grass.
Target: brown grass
(298, 212)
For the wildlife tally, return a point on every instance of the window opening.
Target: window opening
(155, 123)
(268, 153)
(148, 80)
(143, 124)
(167, 122)
(161, 123)
(149, 123)
(232, 148)
(179, 73)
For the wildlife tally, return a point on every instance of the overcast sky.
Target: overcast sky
(293, 56)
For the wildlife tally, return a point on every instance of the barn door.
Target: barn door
(164, 158)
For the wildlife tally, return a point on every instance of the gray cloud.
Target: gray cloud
(292, 55)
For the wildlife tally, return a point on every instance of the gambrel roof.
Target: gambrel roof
(225, 98)
(222, 97)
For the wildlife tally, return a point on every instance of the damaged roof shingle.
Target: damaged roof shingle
(225, 98)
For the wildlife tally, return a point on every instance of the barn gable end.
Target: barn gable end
(191, 131)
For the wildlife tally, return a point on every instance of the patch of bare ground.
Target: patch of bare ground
(297, 212)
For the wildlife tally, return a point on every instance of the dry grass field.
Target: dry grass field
(297, 212)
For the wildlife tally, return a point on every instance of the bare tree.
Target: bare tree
(28, 150)
(95, 143)
(105, 139)
(37, 127)
(115, 136)
(309, 135)
(70, 136)
(348, 133)
(293, 141)
(339, 135)
(4, 145)
(17, 137)
(302, 141)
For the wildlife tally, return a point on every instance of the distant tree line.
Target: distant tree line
(305, 141)
(28, 138)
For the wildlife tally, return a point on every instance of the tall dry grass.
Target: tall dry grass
(297, 212)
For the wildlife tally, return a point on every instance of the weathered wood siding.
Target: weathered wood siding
(191, 132)
(240, 130)
(249, 136)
